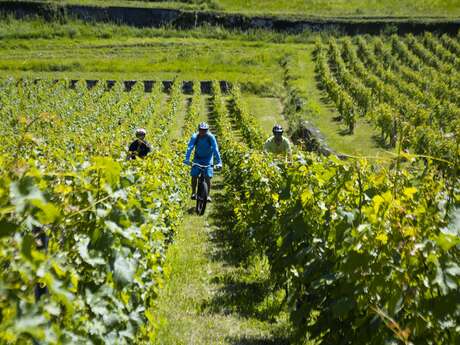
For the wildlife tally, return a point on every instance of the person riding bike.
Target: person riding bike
(277, 144)
(139, 147)
(206, 150)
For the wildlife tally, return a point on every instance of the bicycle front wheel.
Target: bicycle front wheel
(201, 198)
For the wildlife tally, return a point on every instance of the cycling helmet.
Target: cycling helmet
(141, 131)
(203, 125)
(277, 129)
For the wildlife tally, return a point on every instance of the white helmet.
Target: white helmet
(141, 131)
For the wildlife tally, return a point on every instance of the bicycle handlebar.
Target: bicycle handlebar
(202, 166)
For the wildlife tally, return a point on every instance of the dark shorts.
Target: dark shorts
(196, 171)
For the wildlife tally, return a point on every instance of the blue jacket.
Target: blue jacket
(205, 149)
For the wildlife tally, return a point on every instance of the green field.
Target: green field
(146, 58)
(79, 50)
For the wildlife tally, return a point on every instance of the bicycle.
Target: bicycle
(202, 193)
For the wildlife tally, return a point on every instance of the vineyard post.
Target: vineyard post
(398, 155)
(361, 192)
(450, 201)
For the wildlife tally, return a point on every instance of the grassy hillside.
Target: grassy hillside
(332, 8)
(301, 8)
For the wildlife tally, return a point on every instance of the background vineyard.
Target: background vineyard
(358, 250)
(408, 93)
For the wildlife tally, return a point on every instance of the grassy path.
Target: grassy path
(267, 111)
(176, 133)
(207, 297)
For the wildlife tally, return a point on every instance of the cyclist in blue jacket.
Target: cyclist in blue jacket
(206, 149)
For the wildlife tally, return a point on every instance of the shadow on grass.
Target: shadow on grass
(217, 186)
(240, 289)
(344, 132)
(240, 297)
(228, 248)
(258, 341)
(380, 142)
(326, 101)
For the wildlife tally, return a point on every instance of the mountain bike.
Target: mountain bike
(202, 193)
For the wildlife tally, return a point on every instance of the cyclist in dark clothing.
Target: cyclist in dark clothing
(139, 147)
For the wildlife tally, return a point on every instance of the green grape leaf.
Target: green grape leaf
(444, 281)
(26, 247)
(124, 269)
(109, 168)
(23, 191)
(48, 214)
(32, 325)
(342, 307)
(7, 228)
(82, 247)
(128, 332)
(447, 241)
(453, 269)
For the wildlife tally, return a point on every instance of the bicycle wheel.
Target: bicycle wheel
(201, 198)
